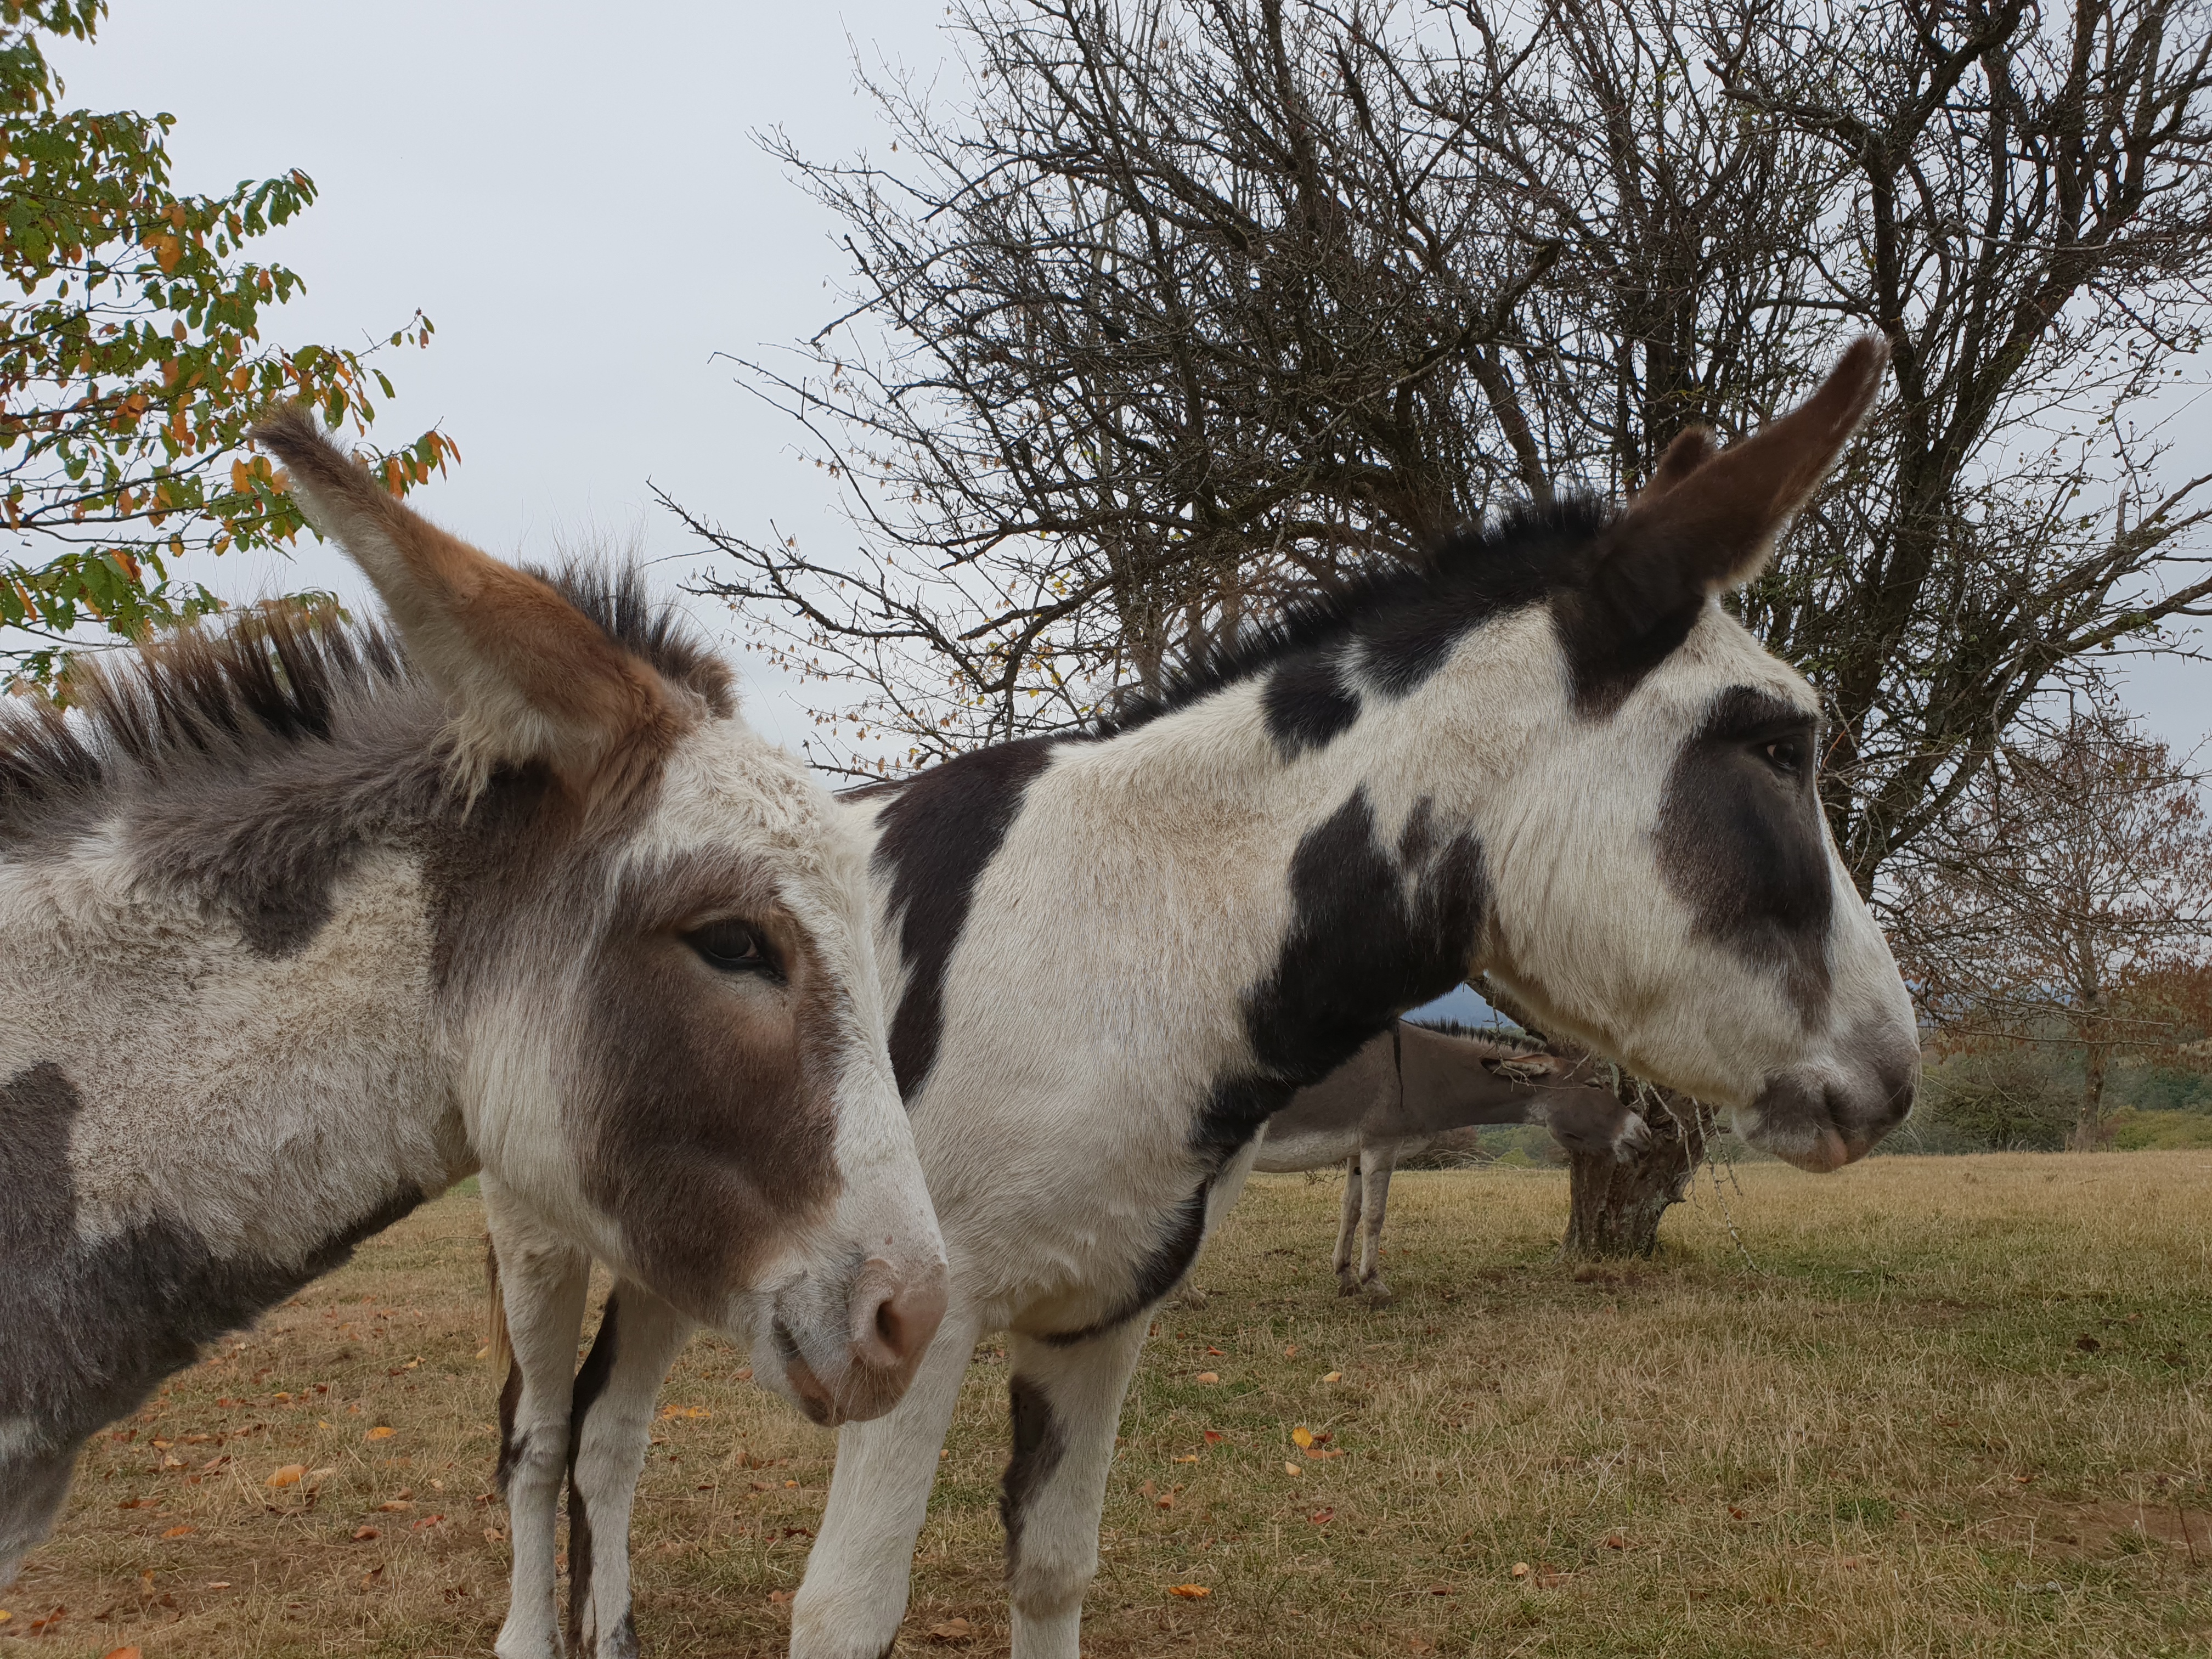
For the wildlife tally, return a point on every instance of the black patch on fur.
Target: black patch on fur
(590, 1383)
(1740, 842)
(1306, 704)
(1395, 623)
(92, 1329)
(934, 836)
(1374, 931)
(1039, 1444)
(1160, 1272)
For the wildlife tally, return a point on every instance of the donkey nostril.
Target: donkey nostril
(894, 1316)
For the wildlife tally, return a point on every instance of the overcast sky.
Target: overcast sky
(572, 194)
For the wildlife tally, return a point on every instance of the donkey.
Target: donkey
(298, 925)
(1548, 755)
(1407, 1090)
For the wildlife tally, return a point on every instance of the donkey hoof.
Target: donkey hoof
(1376, 1291)
(1346, 1284)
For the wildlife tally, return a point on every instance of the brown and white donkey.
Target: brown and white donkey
(298, 925)
(1407, 1090)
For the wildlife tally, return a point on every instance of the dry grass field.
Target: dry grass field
(1953, 1407)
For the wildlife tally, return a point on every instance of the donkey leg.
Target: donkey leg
(543, 1282)
(1066, 1403)
(34, 1481)
(853, 1596)
(1347, 1229)
(611, 1420)
(1376, 1164)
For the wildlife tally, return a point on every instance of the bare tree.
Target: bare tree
(2066, 896)
(1180, 306)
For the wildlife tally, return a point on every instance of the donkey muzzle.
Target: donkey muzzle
(891, 1311)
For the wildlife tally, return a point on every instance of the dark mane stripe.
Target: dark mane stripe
(1406, 614)
(272, 676)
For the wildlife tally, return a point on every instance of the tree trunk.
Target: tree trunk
(1613, 1207)
(2089, 1130)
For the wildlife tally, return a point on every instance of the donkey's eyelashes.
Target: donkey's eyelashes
(733, 947)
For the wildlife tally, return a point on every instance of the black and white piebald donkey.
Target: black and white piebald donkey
(297, 928)
(1407, 1090)
(1550, 755)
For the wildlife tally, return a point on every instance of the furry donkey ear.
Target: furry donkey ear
(528, 676)
(1713, 518)
(1706, 521)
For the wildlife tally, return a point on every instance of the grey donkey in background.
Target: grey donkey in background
(1407, 1090)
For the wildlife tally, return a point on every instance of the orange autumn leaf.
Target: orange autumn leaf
(1301, 1436)
(288, 1476)
(178, 1532)
(1189, 1592)
(1209, 1377)
(380, 1432)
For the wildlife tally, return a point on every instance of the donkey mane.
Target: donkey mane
(1410, 610)
(272, 677)
(1495, 1037)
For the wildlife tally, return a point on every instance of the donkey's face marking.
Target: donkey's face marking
(1740, 839)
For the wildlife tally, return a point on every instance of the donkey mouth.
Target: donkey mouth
(1821, 1123)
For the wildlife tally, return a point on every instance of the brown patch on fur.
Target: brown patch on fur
(742, 1073)
(1722, 515)
(530, 676)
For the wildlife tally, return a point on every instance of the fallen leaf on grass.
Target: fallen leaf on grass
(1165, 1501)
(1291, 1352)
(1322, 1517)
(779, 1596)
(1213, 1437)
(218, 1583)
(171, 1461)
(685, 1411)
(1519, 1569)
(214, 1463)
(1209, 1377)
(363, 1535)
(1333, 1376)
(1189, 1592)
(1442, 1589)
(49, 1621)
(494, 1536)
(1613, 1540)
(1216, 1352)
(1419, 1645)
(1190, 1458)
(367, 1580)
(178, 1532)
(5, 1615)
(380, 1432)
(1735, 1514)
(952, 1630)
(122, 1653)
(1301, 1436)
(426, 1521)
(288, 1476)
(1292, 1468)
(393, 1505)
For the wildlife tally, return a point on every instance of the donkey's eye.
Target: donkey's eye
(731, 947)
(1786, 755)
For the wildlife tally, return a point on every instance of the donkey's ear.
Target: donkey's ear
(529, 677)
(1690, 450)
(1708, 520)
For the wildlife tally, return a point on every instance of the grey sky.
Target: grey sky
(572, 195)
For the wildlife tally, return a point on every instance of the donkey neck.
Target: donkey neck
(233, 1032)
(1228, 908)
